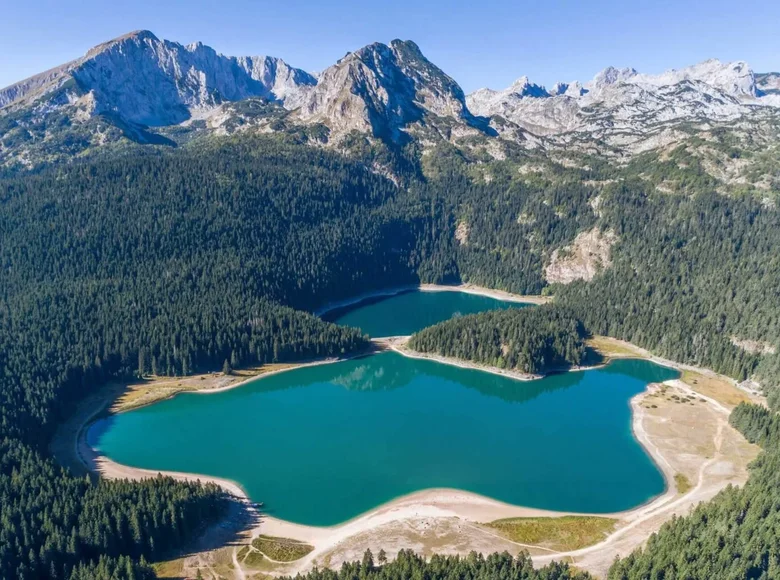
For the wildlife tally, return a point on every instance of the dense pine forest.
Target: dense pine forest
(174, 262)
(529, 340)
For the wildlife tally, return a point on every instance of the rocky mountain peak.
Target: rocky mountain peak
(382, 88)
(144, 80)
(574, 89)
(628, 109)
(523, 87)
(733, 78)
(127, 86)
(611, 76)
(136, 37)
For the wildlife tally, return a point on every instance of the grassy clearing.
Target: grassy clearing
(682, 483)
(253, 559)
(610, 347)
(169, 569)
(153, 389)
(564, 533)
(281, 549)
(718, 388)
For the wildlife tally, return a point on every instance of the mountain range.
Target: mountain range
(139, 88)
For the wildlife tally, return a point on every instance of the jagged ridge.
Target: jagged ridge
(392, 92)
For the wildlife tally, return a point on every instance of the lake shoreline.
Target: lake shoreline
(464, 288)
(98, 463)
(470, 505)
(435, 504)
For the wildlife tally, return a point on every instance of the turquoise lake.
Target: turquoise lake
(408, 312)
(320, 445)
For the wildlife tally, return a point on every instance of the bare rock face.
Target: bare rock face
(380, 89)
(153, 82)
(583, 259)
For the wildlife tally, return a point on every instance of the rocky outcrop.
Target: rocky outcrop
(768, 84)
(588, 254)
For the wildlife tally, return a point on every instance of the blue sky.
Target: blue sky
(488, 43)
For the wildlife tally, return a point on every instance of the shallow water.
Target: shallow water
(320, 445)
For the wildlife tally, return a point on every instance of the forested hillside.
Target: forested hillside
(172, 262)
(160, 265)
(528, 340)
(52, 522)
(689, 275)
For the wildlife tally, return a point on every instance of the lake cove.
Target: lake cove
(407, 312)
(320, 445)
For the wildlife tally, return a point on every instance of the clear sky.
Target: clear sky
(479, 43)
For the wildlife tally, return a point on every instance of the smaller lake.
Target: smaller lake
(406, 313)
(322, 444)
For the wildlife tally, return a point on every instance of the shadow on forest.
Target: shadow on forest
(233, 528)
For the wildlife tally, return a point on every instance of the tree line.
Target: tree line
(475, 566)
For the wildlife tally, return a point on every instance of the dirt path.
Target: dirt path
(239, 570)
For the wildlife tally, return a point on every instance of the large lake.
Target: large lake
(320, 445)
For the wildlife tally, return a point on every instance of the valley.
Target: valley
(176, 223)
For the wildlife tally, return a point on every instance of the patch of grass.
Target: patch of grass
(610, 347)
(682, 483)
(169, 569)
(564, 533)
(718, 388)
(253, 558)
(281, 549)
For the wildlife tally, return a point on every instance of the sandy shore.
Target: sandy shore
(465, 288)
(403, 350)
